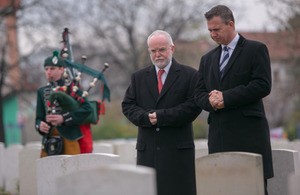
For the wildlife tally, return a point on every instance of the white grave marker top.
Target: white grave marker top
(1, 165)
(230, 173)
(27, 167)
(112, 180)
(11, 167)
(50, 168)
(285, 162)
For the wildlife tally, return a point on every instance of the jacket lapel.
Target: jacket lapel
(215, 62)
(151, 80)
(235, 54)
(171, 78)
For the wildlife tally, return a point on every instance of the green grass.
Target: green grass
(293, 123)
(114, 125)
(2, 192)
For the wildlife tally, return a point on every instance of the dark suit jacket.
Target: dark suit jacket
(242, 124)
(168, 146)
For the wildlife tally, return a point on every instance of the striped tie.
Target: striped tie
(224, 61)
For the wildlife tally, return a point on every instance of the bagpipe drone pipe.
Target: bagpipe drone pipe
(70, 100)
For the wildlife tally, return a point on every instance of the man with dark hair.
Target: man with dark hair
(233, 79)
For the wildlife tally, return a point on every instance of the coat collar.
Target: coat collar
(171, 78)
(234, 55)
(215, 61)
(217, 54)
(151, 81)
(151, 78)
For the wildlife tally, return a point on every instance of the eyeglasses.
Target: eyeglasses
(161, 50)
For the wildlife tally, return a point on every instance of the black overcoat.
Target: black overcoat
(168, 146)
(242, 124)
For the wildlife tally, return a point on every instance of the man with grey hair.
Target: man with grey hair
(159, 101)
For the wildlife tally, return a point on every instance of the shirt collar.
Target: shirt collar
(166, 68)
(233, 43)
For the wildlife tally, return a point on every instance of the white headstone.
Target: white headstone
(34, 145)
(2, 164)
(230, 173)
(285, 144)
(103, 148)
(27, 167)
(109, 180)
(11, 168)
(127, 152)
(280, 144)
(199, 152)
(296, 146)
(49, 168)
(285, 162)
(294, 184)
(89, 161)
(201, 143)
(114, 142)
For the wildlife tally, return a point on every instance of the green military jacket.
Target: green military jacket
(72, 119)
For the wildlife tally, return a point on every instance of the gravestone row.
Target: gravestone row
(32, 174)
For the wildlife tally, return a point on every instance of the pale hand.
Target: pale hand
(44, 127)
(152, 118)
(216, 99)
(55, 119)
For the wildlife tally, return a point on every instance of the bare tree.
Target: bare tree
(2, 76)
(10, 75)
(115, 31)
(112, 31)
(285, 95)
(9, 58)
(281, 10)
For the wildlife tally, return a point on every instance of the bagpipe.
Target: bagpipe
(71, 95)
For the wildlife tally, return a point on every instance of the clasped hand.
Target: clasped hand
(216, 99)
(152, 118)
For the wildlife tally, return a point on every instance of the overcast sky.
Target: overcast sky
(250, 15)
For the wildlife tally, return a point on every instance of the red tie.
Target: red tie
(160, 84)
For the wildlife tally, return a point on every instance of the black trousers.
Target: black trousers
(266, 186)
